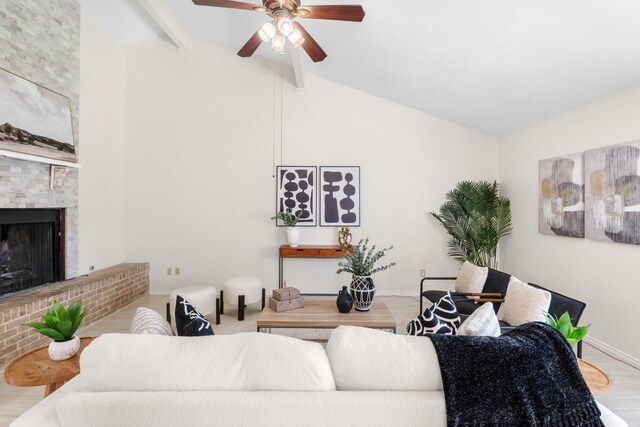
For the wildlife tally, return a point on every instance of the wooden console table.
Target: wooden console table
(308, 251)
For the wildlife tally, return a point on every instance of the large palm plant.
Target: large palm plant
(476, 218)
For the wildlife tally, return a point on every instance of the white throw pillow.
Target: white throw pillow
(523, 303)
(147, 321)
(482, 322)
(471, 278)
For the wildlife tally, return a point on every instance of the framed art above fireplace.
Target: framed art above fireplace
(34, 121)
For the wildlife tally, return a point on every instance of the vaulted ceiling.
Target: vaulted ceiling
(492, 65)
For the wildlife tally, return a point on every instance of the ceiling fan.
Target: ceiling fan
(282, 27)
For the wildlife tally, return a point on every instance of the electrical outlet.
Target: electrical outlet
(169, 271)
(176, 271)
(423, 273)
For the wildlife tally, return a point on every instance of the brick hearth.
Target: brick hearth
(102, 292)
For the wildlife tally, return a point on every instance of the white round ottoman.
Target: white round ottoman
(202, 297)
(242, 291)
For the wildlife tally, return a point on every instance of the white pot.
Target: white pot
(293, 236)
(63, 350)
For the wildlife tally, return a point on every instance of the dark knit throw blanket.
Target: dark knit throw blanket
(526, 377)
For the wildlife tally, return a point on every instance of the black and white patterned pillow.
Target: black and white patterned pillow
(190, 323)
(427, 323)
(445, 310)
(442, 318)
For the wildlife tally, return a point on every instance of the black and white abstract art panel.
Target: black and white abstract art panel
(612, 193)
(297, 192)
(339, 196)
(561, 196)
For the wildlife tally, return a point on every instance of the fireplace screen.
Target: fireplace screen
(29, 248)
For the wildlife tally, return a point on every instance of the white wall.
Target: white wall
(200, 191)
(101, 180)
(604, 275)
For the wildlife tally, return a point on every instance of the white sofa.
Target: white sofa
(364, 378)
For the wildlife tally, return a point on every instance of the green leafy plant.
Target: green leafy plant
(60, 324)
(572, 334)
(289, 219)
(476, 218)
(361, 261)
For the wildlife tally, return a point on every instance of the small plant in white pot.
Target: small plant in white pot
(61, 326)
(290, 220)
(361, 263)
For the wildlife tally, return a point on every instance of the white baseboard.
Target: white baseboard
(413, 293)
(613, 352)
(316, 291)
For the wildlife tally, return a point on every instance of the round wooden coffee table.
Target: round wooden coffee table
(36, 368)
(597, 380)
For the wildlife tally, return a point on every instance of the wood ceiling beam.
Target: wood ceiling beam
(170, 24)
(298, 69)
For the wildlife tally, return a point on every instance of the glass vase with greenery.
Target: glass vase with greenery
(476, 217)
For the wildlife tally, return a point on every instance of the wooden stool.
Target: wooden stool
(243, 291)
(202, 297)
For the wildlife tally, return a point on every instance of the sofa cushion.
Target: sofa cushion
(369, 359)
(483, 322)
(471, 278)
(263, 409)
(246, 361)
(189, 322)
(562, 303)
(524, 303)
(147, 321)
(497, 281)
(446, 311)
(427, 323)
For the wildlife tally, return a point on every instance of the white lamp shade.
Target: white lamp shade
(278, 43)
(285, 25)
(295, 38)
(267, 31)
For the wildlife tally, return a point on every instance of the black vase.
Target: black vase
(344, 301)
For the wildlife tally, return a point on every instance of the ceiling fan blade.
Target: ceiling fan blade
(353, 12)
(311, 46)
(250, 46)
(229, 4)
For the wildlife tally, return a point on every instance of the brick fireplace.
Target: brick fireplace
(41, 42)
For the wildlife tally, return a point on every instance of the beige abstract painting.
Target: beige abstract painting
(612, 193)
(561, 196)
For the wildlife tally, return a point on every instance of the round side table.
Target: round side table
(597, 380)
(36, 368)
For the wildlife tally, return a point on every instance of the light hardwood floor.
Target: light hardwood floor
(624, 399)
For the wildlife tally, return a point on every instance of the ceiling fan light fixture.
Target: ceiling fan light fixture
(295, 38)
(285, 25)
(267, 31)
(277, 43)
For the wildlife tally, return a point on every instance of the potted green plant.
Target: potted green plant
(290, 220)
(476, 217)
(573, 334)
(361, 263)
(61, 325)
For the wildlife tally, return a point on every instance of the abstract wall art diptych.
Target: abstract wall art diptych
(612, 193)
(339, 196)
(296, 191)
(561, 196)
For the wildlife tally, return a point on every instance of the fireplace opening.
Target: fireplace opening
(30, 250)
